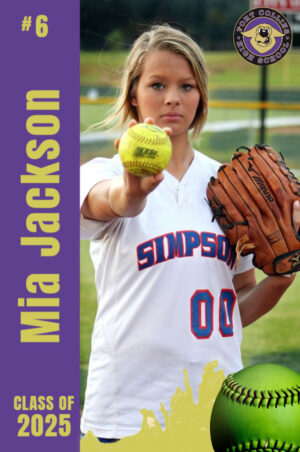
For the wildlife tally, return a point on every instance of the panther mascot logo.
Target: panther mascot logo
(263, 37)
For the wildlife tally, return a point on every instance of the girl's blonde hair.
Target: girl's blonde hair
(160, 37)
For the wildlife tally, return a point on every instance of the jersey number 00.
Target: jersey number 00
(202, 308)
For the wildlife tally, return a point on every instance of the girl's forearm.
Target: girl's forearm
(256, 301)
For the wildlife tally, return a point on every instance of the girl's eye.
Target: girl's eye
(187, 87)
(157, 85)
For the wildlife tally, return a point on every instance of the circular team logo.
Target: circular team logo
(262, 36)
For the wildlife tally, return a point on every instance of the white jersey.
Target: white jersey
(166, 300)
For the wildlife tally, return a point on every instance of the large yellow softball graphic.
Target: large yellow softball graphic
(145, 149)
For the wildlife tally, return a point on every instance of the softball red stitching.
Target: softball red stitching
(142, 165)
(147, 140)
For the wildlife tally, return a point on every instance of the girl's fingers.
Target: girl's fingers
(149, 120)
(142, 185)
(149, 183)
(132, 122)
(168, 131)
(296, 215)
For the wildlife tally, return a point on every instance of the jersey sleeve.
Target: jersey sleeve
(245, 264)
(91, 173)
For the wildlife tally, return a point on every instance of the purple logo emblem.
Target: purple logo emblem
(262, 36)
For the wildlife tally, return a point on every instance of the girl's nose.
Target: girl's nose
(172, 97)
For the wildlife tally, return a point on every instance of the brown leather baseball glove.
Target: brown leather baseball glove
(252, 200)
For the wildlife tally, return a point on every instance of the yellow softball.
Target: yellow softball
(145, 149)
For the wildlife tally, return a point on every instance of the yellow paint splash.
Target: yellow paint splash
(187, 428)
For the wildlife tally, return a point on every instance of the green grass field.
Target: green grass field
(275, 337)
(225, 68)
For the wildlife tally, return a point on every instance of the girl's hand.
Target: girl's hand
(296, 224)
(136, 186)
(296, 215)
(123, 196)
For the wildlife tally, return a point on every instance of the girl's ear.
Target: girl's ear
(134, 101)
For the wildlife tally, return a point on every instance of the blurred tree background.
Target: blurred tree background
(112, 24)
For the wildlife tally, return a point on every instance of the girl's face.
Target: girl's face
(167, 92)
